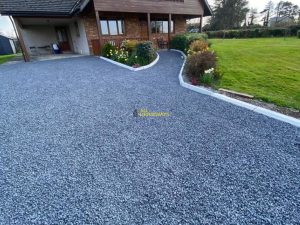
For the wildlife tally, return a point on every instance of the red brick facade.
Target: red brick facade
(136, 27)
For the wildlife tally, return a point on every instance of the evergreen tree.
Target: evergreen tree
(228, 14)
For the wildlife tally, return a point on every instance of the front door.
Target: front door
(62, 37)
(144, 29)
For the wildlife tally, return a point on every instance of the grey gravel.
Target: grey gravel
(73, 153)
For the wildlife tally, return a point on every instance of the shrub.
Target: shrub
(183, 41)
(133, 60)
(130, 45)
(119, 55)
(107, 50)
(198, 63)
(251, 33)
(294, 29)
(298, 34)
(145, 52)
(207, 78)
(179, 42)
(198, 46)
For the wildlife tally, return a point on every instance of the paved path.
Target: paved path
(73, 153)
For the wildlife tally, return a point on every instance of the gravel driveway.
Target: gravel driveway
(71, 151)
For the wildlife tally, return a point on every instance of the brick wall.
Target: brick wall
(91, 29)
(135, 27)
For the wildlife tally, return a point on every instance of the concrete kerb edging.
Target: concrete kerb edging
(275, 115)
(131, 68)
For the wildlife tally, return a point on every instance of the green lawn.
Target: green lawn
(5, 58)
(268, 68)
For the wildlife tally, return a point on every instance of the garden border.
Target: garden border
(269, 113)
(131, 68)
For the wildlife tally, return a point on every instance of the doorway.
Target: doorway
(63, 39)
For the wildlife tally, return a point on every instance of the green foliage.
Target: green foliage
(130, 45)
(107, 50)
(228, 14)
(119, 55)
(206, 79)
(298, 34)
(183, 41)
(198, 63)
(250, 33)
(294, 29)
(199, 46)
(179, 42)
(145, 52)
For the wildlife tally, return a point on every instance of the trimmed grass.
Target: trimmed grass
(5, 58)
(268, 68)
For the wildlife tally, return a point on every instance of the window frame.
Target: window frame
(158, 21)
(116, 20)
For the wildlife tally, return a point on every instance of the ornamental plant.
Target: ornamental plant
(198, 46)
(107, 50)
(145, 52)
(130, 45)
(199, 63)
(119, 55)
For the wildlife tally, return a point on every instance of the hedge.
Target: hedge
(298, 34)
(252, 33)
(183, 41)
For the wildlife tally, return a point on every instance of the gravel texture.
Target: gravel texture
(71, 151)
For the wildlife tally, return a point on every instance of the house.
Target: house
(7, 46)
(84, 26)
(281, 21)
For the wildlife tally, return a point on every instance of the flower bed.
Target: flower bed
(201, 64)
(131, 53)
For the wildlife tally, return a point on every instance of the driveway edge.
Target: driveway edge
(131, 68)
(269, 113)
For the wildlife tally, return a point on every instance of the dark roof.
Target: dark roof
(52, 7)
(38, 7)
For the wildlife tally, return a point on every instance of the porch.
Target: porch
(115, 27)
(40, 34)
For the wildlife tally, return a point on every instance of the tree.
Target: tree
(287, 9)
(228, 14)
(268, 12)
(252, 16)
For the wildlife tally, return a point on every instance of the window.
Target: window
(161, 27)
(77, 29)
(112, 27)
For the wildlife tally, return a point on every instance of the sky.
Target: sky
(7, 29)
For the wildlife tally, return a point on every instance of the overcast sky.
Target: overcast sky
(6, 27)
(260, 4)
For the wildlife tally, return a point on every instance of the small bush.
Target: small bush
(198, 63)
(179, 42)
(183, 41)
(145, 52)
(198, 46)
(294, 29)
(130, 45)
(119, 55)
(207, 78)
(298, 34)
(107, 50)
